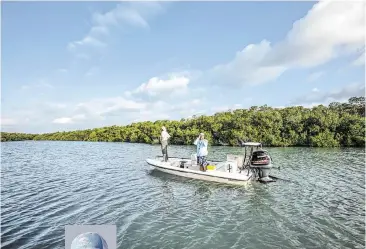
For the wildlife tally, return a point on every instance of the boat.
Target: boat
(254, 165)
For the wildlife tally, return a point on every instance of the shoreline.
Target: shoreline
(336, 125)
(216, 145)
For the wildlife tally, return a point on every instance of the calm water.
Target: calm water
(47, 185)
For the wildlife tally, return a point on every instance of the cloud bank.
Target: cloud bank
(328, 31)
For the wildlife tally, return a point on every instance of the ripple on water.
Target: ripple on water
(47, 185)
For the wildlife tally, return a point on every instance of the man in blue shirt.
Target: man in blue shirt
(202, 151)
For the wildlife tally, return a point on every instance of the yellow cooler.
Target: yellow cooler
(211, 167)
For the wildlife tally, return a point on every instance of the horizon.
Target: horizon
(82, 65)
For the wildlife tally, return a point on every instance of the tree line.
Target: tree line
(335, 125)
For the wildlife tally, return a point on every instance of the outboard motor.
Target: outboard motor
(262, 162)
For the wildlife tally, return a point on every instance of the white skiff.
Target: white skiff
(224, 172)
(237, 169)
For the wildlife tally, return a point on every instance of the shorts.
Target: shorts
(202, 160)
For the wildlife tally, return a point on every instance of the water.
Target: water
(47, 185)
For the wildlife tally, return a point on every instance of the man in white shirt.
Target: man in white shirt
(164, 137)
(202, 151)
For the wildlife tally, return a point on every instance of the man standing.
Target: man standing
(164, 137)
(202, 151)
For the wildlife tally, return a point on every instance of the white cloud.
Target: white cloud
(63, 121)
(134, 14)
(109, 107)
(54, 116)
(95, 111)
(99, 30)
(329, 30)
(120, 110)
(88, 40)
(157, 86)
(69, 120)
(246, 67)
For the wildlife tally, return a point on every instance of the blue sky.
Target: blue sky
(78, 65)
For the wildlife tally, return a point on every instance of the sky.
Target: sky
(81, 65)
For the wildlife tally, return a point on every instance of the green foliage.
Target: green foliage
(7, 136)
(324, 139)
(339, 124)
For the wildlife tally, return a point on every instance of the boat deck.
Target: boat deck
(188, 164)
(184, 167)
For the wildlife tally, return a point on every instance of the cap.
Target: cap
(89, 241)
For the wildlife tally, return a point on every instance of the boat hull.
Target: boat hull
(214, 176)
